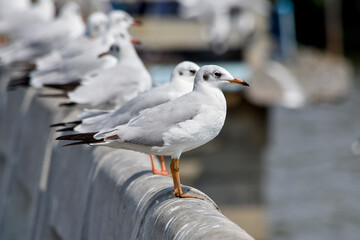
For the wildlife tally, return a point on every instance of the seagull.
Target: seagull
(104, 61)
(118, 22)
(16, 22)
(68, 75)
(174, 127)
(97, 24)
(75, 69)
(115, 85)
(43, 38)
(182, 81)
(221, 18)
(73, 61)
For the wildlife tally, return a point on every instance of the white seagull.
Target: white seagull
(72, 62)
(118, 22)
(181, 82)
(43, 38)
(115, 85)
(16, 17)
(67, 75)
(97, 24)
(174, 127)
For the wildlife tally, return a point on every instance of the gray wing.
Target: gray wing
(101, 120)
(133, 107)
(149, 127)
(167, 114)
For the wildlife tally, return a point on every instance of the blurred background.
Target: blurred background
(287, 162)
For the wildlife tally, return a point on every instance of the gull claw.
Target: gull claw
(181, 195)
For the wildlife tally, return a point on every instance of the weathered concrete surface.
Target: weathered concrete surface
(82, 192)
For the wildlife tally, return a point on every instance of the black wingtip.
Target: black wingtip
(68, 104)
(57, 125)
(18, 82)
(71, 86)
(79, 136)
(68, 129)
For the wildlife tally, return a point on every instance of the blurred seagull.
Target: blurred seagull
(68, 74)
(220, 18)
(17, 16)
(72, 62)
(43, 38)
(91, 67)
(118, 23)
(182, 82)
(75, 69)
(174, 127)
(115, 85)
(97, 24)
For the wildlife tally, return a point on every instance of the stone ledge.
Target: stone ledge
(82, 192)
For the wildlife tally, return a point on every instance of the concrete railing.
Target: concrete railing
(82, 192)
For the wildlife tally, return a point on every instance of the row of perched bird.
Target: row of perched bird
(102, 68)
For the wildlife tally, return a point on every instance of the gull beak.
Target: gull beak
(239, 81)
(137, 22)
(103, 54)
(135, 41)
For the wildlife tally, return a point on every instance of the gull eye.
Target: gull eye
(217, 74)
(192, 71)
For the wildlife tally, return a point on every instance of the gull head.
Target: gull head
(215, 76)
(120, 18)
(114, 50)
(97, 24)
(185, 71)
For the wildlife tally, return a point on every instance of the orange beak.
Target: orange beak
(137, 22)
(135, 41)
(239, 81)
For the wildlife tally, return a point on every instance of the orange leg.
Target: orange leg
(174, 166)
(163, 168)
